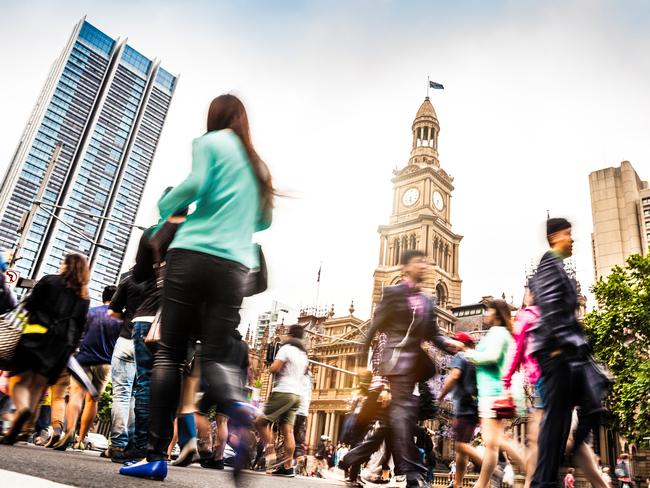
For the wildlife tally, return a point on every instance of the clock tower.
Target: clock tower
(421, 217)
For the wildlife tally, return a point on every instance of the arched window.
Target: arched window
(441, 295)
(413, 242)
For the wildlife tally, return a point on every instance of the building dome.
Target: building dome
(426, 110)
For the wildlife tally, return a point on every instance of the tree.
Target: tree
(105, 404)
(619, 331)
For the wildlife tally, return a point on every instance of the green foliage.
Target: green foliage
(620, 334)
(105, 404)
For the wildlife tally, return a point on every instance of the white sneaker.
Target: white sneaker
(44, 436)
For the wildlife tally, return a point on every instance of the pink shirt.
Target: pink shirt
(526, 317)
(416, 300)
(569, 480)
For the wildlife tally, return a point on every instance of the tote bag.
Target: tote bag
(11, 328)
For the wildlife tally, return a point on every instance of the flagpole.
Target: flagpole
(318, 284)
(428, 85)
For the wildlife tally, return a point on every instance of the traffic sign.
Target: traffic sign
(12, 277)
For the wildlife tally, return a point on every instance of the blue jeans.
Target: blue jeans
(123, 377)
(141, 392)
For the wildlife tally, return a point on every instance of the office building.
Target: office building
(85, 154)
(620, 208)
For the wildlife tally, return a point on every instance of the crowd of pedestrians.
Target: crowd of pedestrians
(168, 338)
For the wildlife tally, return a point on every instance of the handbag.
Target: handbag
(153, 335)
(504, 408)
(592, 383)
(12, 324)
(258, 278)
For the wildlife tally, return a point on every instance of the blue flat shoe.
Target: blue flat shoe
(152, 470)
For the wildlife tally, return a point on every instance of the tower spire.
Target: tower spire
(424, 149)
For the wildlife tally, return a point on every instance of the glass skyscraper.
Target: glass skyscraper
(85, 153)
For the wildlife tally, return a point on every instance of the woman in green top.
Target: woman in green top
(490, 358)
(208, 263)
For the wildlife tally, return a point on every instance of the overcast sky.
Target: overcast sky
(537, 95)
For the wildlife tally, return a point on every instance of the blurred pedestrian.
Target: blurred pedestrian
(490, 359)
(207, 265)
(148, 273)
(525, 320)
(623, 472)
(557, 339)
(56, 314)
(123, 306)
(237, 356)
(462, 380)
(289, 368)
(94, 355)
(607, 477)
(370, 429)
(407, 317)
(569, 479)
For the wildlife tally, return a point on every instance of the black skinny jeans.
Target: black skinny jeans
(556, 422)
(202, 296)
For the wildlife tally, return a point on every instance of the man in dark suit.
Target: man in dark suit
(407, 317)
(558, 343)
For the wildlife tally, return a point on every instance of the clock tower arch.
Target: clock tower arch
(421, 217)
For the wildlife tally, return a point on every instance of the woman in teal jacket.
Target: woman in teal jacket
(491, 360)
(207, 265)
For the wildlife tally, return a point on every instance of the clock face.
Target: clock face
(438, 202)
(410, 196)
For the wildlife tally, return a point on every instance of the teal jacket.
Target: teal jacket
(226, 192)
(490, 358)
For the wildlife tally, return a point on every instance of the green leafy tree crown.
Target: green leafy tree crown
(619, 331)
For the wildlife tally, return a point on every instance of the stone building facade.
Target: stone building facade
(620, 208)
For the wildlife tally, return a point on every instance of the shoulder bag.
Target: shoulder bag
(12, 324)
(258, 278)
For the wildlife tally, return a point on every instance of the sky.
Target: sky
(537, 95)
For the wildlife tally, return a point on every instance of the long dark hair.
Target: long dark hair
(75, 274)
(503, 314)
(228, 112)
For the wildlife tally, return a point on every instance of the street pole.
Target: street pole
(93, 216)
(28, 218)
(333, 367)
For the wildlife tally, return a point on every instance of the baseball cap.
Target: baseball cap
(464, 337)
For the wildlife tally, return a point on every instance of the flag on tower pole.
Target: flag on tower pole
(320, 267)
(434, 85)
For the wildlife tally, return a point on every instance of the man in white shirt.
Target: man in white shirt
(289, 368)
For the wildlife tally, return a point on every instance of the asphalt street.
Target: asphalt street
(88, 470)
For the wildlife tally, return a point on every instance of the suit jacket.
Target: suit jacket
(393, 316)
(557, 298)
